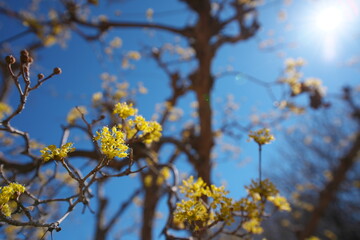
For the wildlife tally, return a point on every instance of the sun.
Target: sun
(330, 19)
(329, 23)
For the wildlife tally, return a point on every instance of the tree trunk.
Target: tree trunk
(150, 201)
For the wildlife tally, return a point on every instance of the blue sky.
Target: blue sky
(83, 63)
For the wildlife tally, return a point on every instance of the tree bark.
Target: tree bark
(150, 201)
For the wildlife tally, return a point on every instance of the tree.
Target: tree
(119, 141)
(324, 199)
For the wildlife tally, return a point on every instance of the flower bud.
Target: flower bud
(24, 53)
(10, 59)
(57, 70)
(25, 57)
(40, 76)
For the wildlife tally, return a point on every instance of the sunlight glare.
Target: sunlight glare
(330, 19)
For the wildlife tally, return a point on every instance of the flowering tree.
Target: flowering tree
(119, 141)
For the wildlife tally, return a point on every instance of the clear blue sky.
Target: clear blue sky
(327, 52)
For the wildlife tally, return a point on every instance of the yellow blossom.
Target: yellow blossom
(150, 130)
(96, 98)
(199, 215)
(124, 110)
(280, 202)
(116, 42)
(112, 142)
(49, 40)
(164, 174)
(142, 89)
(125, 63)
(103, 18)
(285, 223)
(195, 212)
(313, 82)
(330, 235)
(5, 209)
(133, 55)
(175, 114)
(36, 145)
(149, 14)
(8, 193)
(295, 109)
(148, 180)
(52, 152)
(313, 238)
(4, 109)
(253, 226)
(262, 136)
(75, 113)
(121, 91)
(293, 63)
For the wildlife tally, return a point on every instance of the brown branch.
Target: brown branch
(121, 210)
(105, 25)
(19, 167)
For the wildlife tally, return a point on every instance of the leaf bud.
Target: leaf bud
(57, 70)
(10, 59)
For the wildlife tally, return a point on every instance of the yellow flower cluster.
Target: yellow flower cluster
(149, 130)
(253, 226)
(96, 98)
(116, 42)
(164, 174)
(313, 238)
(131, 55)
(5, 139)
(134, 55)
(4, 109)
(267, 190)
(52, 152)
(112, 142)
(293, 75)
(219, 208)
(196, 212)
(298, 202)
(124, 110)
(75, 113)
(121, 91)
(279, 202)
(8, 193)
(315, 84)
(262, 136)
(292, 107)
(149, 14)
